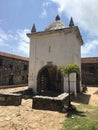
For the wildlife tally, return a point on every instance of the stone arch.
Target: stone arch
(49, 79)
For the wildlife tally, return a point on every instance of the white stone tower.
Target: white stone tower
(57, 45)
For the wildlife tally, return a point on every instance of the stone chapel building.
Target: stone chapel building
(57, 45)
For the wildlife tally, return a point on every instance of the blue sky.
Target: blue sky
(18, 16)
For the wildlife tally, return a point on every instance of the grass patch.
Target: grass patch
(84, 118)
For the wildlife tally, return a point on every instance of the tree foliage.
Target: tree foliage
(71, 68)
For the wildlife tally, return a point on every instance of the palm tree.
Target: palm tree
(71, 68)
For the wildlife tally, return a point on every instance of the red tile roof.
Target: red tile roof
(89, 60)
(13, 56)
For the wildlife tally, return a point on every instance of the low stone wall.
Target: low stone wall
(10, 99)
(50, 103)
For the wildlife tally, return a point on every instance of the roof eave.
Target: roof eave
(68, 30)
(79, 35)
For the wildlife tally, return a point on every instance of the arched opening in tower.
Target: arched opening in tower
(49, 81)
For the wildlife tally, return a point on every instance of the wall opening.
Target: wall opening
(11, 79)
(49, 80)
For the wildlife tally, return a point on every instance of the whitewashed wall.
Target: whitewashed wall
(59, 47)
(72, 83)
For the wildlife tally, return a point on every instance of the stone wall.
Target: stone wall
(89, 73)
(50, 103)
(13, 71)
(10, 99)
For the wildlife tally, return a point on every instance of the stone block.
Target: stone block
(10, 99)
(50, 103)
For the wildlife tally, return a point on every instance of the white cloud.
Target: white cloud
(84, 12)
(24, 47)
(3, 38)
(45, 4)
(21, 34)
(3, 35)
(89, 48)
(44, 13)
(16, 41)
(44, 9)
(23, 42)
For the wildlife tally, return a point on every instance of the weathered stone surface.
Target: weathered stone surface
(50, 103)
(13, 69)
(89, 73)
(10, 99)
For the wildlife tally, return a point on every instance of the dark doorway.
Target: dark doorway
(10, 79)
(49, 80)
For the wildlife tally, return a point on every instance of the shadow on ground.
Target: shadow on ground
(75, 112)
(82, 98)
(96, 92)
(72, 110)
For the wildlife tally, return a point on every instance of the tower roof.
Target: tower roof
(57, 24)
